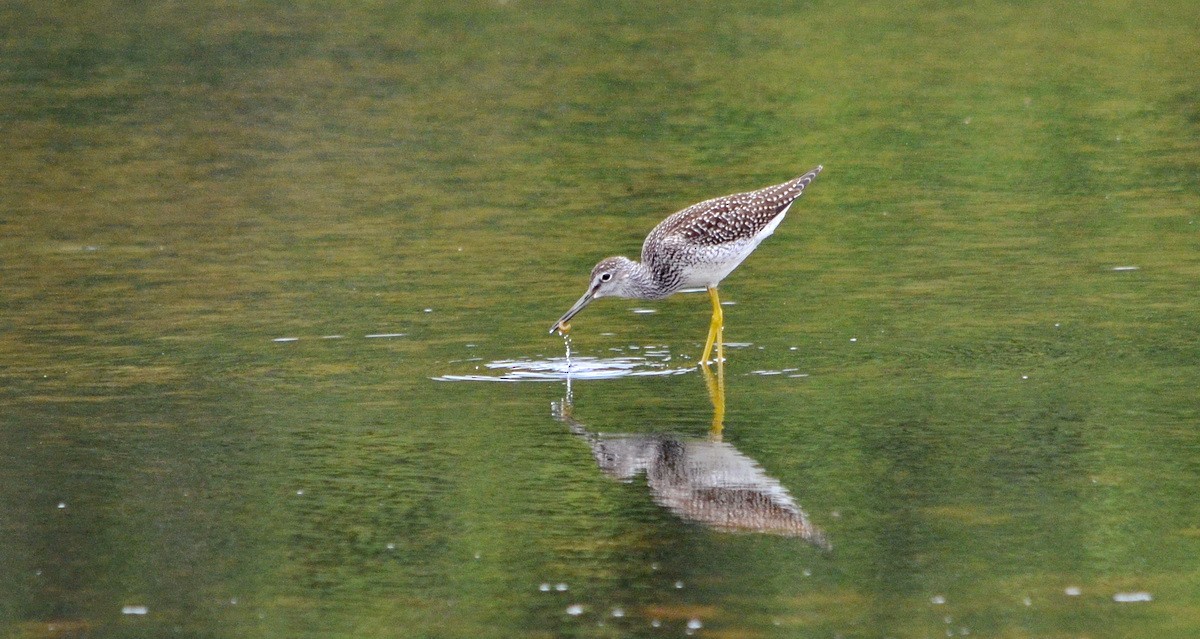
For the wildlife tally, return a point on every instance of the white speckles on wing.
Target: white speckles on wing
(703, 243)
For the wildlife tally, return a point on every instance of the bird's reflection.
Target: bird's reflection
(702, 480)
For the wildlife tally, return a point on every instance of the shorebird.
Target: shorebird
(696, 247)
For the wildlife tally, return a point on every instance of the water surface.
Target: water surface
(262, 263)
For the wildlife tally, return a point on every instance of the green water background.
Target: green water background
(997, 408)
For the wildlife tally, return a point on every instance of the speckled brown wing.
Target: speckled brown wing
(726, 219)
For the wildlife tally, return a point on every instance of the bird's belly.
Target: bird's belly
(705, 265)
(715, 262)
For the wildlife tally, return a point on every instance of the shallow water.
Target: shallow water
(261, 264)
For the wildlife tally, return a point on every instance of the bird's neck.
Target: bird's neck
(645, 283)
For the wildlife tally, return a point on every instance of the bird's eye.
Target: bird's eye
(604, 277)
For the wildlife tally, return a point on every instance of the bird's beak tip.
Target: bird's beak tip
(561, 326)
(563, 323)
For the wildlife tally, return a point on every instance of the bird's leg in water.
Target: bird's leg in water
(716, 394)
(716, 329)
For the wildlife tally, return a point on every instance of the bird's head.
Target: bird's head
(610, 278)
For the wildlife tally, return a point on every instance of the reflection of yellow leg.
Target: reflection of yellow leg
(716, 328)
(716, 394)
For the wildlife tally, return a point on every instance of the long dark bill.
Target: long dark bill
(575, 308)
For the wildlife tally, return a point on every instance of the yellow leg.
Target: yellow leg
(716, 328)
(721, 345)
(716, 394)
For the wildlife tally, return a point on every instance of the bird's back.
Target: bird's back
(731, 219)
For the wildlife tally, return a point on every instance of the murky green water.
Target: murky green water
(241, 240)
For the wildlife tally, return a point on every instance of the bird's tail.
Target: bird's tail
(801, 182)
